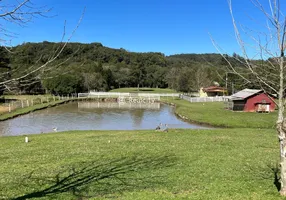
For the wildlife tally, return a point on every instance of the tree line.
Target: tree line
(83, 67)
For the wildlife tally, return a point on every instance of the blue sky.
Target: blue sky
(167, 26)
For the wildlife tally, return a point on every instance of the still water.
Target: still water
(94, 116)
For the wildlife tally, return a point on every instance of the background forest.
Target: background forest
(83, 67)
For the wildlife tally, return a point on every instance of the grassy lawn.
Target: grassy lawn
(147, 90)
(214, 113)
(233, 163)
(179, 164)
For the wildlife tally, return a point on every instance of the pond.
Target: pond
(85, 115)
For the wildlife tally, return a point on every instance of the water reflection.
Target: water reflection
(118, 105)
(94, 116)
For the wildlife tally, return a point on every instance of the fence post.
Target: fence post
(28, 103)
(9, 107)
(32, 102)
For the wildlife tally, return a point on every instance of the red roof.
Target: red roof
(214, 89)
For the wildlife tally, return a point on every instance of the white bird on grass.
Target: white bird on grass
(165, 129)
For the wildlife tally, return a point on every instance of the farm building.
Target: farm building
(212, 91)
(250, 100)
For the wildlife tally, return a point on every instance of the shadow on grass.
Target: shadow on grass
(3, 100)
(269, 172)
(276, 176)
(99, 178)
(146, 89)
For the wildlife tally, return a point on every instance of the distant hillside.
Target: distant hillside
(83, 67)
(201, 58)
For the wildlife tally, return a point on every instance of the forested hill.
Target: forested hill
(213, 58)
(82, 67)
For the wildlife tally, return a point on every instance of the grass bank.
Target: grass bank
(213, 113)
(146, 90)
(22, 111)
(179, 164)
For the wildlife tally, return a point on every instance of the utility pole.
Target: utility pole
(226, 80)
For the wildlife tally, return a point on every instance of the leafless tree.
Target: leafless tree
(201, 78)
(21, 13)
(266, 68)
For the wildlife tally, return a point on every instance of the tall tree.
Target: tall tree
(200, 79)
(270, 72)
(138, 73)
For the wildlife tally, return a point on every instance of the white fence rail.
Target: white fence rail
(205, 99)
(126, 94)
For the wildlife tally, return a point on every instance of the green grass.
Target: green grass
(235, 163)
(179, 164)
(147, 90)
(213, 113)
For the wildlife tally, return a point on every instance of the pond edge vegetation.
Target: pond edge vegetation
(27, 110)
(187, 119)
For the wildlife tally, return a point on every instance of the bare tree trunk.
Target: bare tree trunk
(281, 129)
(282, 142)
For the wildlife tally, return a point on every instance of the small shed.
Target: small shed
(251, 100)
(212, 91)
